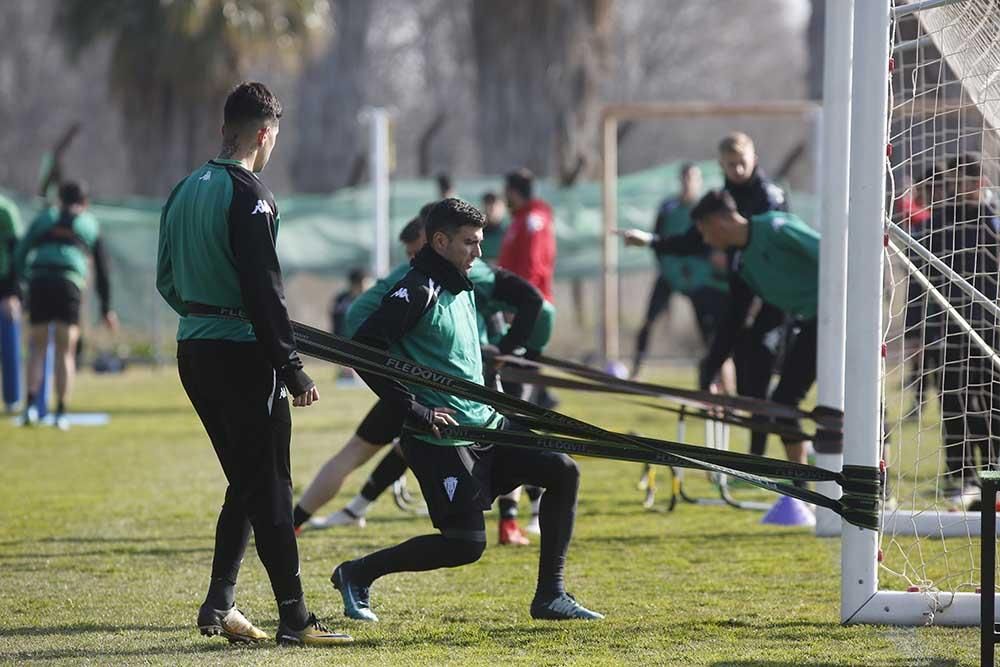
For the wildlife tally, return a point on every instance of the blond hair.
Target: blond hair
(736, 142)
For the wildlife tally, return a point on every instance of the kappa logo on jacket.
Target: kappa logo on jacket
(206, 176)
(262, 207)
(401, 293)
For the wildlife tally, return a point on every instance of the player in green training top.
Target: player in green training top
(777, 255)
(429, 317)
(218, 268)
(700, 277)
(55, 256)
(10, 305)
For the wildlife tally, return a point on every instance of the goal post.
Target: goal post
(924, 101)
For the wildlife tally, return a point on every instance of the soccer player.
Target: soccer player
(357, 282)
(218, 269)
(429, 317)
(777, 259)
(965, 233)
(529, 245)
(694, 276)
(54, 255)
(495, 291)
(495, 212)
(10, 305)
(754, 346)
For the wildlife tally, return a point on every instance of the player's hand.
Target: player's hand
(442, 417)
(635, 237)
(111, 321)
(307, 398)
(10, 306)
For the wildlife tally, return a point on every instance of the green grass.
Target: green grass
(106, 543)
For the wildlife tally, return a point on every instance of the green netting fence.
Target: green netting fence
(327, 236)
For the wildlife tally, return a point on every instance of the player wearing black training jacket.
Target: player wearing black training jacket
(750, 330)
(429, 317)
(217, 267)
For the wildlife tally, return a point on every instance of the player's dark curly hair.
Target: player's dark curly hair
(448, 215)
(251, 102)
(714, 201)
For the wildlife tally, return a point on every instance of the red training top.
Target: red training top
(529, 246)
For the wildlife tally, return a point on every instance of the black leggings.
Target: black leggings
(245, 412)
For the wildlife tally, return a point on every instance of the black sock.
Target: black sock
(389, 469)
(31, 399)
(232, 532)
(427, 552)
(556, 519)
(60, 407)
(508, 508)
(534, 492)
(300, 516)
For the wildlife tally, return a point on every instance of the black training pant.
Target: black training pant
(245, 411)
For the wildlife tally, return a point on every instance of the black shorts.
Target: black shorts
(8, 287)
(381, 425)
(53, 300)
(710, 306)
(458, 481)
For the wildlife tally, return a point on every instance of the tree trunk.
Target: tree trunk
(539, 68)
(332, 93)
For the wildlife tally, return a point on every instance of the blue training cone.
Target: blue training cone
(10, 359)
(789, 511)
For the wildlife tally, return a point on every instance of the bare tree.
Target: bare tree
(539, 70)
(332, 92)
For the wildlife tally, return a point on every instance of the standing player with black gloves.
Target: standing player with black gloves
(429, 317)
(751, 330)
(218, 268)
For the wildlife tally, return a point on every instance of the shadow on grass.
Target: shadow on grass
(87, 628)
(99, 540)
(901, 662)
(113, 656)
(123, 551)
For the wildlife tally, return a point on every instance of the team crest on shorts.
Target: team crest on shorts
(450, 484)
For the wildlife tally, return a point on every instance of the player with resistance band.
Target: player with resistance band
(495, 290)
(429, 318)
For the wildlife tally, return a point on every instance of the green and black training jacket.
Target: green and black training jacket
(217, 265)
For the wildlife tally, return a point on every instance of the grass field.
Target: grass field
(106, 543)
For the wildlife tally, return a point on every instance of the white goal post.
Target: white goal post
(875, 245)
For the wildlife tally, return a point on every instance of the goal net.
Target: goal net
(941, 373)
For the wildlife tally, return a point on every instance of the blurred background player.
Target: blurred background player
(701, 278)
(446, 188)
(495, 212)
(752, 331)
(10, 305)
(964, 231)
(529, 246)
(54, 256)
(358, 281)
